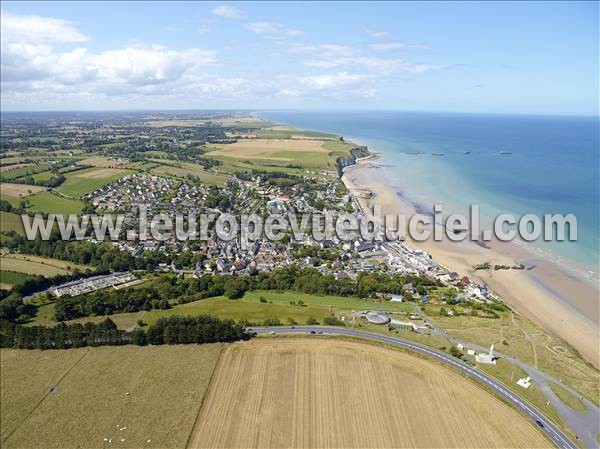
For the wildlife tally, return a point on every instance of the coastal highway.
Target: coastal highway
(540, 421)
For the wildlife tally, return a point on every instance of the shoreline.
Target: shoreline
(548, 295)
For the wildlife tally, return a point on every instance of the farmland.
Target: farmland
(81, 182)
(52, 203)
(11, 222)
(14, 193)
(328, 393)
(182, 169)
(35, 265)
(10, 278)
(78, 397)
(304, 152)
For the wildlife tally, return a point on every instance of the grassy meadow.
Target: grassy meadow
(82, 182)
(11, 222)
(518, 337)
(136, 396)
(8, 279)
(250, 308)
(35, 265)
(52, 203)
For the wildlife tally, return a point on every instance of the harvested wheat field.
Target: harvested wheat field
(332, 393)
(19, 190)
(267, 148)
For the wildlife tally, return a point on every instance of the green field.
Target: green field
(11, 278)
(77, 397)
(53, 203)
(20, 172)
(82, 182)
(307, 159)
(35, 265)
(233, 165)
(275, 133)
(11, 222)
(249, 308)
(183, 169)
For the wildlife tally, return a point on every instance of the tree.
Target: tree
(454, 351)
(139, 338)
(332, 321)
(312, 321)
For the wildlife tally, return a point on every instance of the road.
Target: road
(547, 427)
(585, 424)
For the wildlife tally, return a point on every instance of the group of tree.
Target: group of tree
(107, 302)
(167, 289)
(104, 257)
(171, 330)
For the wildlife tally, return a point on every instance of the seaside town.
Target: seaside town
(183, 165)
(342, 259)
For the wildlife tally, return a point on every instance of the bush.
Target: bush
(272, 322)
(333, 321)
(312, 321)
(454, 351)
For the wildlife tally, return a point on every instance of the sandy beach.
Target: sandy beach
(564, 305)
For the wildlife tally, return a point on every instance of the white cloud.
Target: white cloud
(31, 28)
(227, 12)
(272, 29)
(380, 66)
(323, 51)
(386, 46)
(30, 63)
(379, 34)
(333, 80)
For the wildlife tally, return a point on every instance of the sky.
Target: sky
(505, 57)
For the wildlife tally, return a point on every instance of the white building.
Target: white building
(486, 358)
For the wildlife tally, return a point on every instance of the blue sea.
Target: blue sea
(505, 163)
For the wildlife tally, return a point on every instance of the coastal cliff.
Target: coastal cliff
(356, 153)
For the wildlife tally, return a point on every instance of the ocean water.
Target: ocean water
(553, 165)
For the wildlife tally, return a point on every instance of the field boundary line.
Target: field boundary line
(208, 389)
(48, 393)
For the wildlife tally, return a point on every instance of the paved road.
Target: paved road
(551, 431)
(585, 424)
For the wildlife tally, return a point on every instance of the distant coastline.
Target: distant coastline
(563, 303)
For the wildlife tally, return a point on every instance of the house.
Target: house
(396, 298)
(221, 265)
(326, 244)
(408, 288)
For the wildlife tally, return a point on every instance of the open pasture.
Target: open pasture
(36, 265)
(139, 397)
(82, 182)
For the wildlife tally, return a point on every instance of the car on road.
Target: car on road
(539, 423)
(313, 332)
(272, 333)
